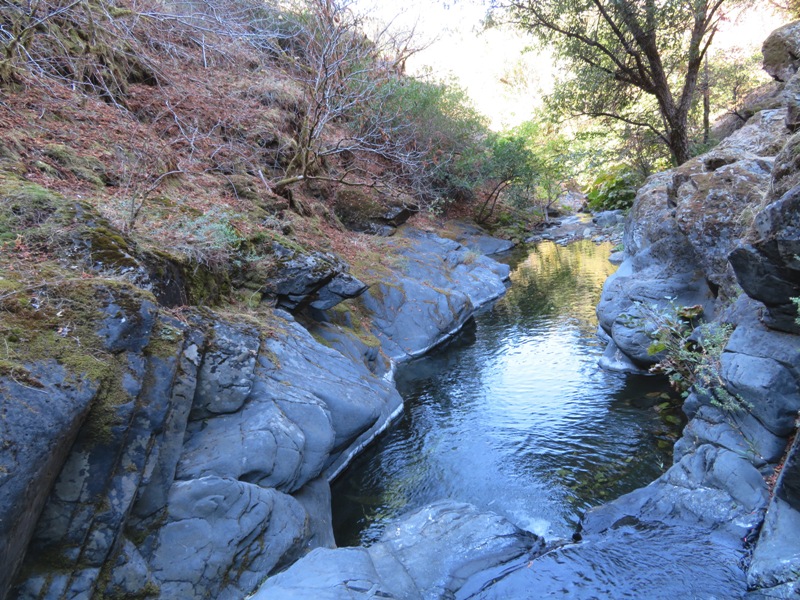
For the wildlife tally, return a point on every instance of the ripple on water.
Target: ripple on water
(514, 416)
(652, 563)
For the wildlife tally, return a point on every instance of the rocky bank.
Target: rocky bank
(720, 234)
(200, 465)
(187, 453)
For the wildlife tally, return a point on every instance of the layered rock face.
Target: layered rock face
(204, 461)
(695, 234)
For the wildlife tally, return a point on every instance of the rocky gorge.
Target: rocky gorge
(188, 453)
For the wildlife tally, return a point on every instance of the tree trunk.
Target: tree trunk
(679, 142)
(706, 103)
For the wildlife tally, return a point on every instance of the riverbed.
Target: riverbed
(514, 415)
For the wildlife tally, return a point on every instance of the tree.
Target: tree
(636, 61)
(344, 75)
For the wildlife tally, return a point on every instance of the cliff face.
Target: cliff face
(699, 235)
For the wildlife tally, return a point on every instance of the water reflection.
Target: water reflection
(514, 415)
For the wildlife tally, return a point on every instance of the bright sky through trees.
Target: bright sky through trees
(505, 83)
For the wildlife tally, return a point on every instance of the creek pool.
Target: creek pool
(514, 415)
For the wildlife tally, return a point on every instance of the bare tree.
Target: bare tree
(345, 76)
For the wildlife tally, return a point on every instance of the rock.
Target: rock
(226, 375)
(785, 171)
(614, 359)
(437, 286)
(767, 96)
(180, 485)
(38, 425)
(776, 557)
(792, 96)
(633, 560)
(306, 405)
(608, 218)
(476, 239)
(739, 432)
(768, 269)
(680, 231)
(315, 278)
(221, 536)
(616, 258)
(710, 487)
(781, 52)
(429, 554)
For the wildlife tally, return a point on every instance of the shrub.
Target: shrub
(613, 189)
(690, 355)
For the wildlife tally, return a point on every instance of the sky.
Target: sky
(505, 83)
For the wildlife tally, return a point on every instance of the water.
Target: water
(514, 415)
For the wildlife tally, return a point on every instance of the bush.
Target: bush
(615, 189)
(690, 355)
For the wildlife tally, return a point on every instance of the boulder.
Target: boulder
(781, 52)
(318, 279)
(435, 289)
(768, 268)
(476, 239)
(680, 232)
(608, 218)
(428, 554)
(221, 536)
(41, 412)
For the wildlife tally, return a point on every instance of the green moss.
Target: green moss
(18, 373)
(24, 206)
(166, 341)
(87, 168)
(109, 247)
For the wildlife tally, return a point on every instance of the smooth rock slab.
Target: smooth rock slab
(222, 536)
(37, 428)
(428, 555)
(632, 562)
(776, 558)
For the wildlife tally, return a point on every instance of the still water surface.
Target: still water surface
(514, 415)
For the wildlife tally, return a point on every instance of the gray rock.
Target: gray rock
(681, 230)
(222, 536)
(634, 560)
(437, 286)
(781, 52)
(315, 498)
(765, 385)
(768, 269)
(129, 573)
(614, 359)
(739, 432)
(616, 258)
(226, 375)
(710, 487)
(608, 218)
(315, 278)
(776, 557)
(792, 95)
(476, 239)
(429, 554)
(38, 426)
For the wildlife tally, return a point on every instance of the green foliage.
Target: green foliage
(690, 354)
(530, 166)
(797, 304)
(613, 189)
(437, 120)
(624, 60)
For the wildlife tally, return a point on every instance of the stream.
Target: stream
(514, 414)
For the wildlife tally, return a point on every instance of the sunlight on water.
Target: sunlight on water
(514, 415)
